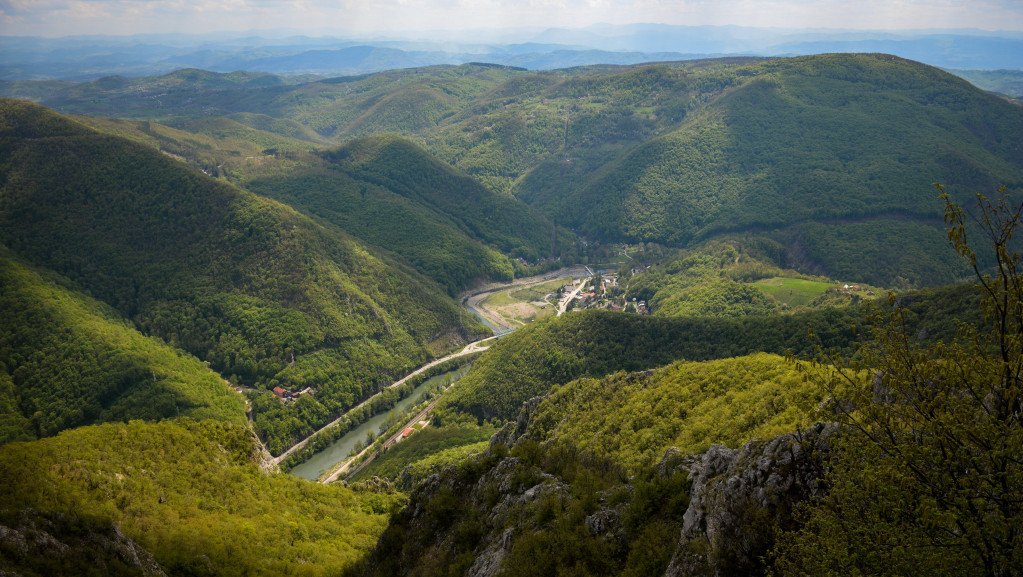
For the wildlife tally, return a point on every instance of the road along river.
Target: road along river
(469, 349)
(340, 450)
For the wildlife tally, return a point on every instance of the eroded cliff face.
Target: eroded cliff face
(513, 512)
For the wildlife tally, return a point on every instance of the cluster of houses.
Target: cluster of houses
(288, 396)
(640, 307)
(603, 296)
(639, 269)
(851, 288)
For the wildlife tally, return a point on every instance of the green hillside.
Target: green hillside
(588, 488)
(184, 93)
(390, 193)
(349, 105)
(594, 343)
(282, 127)
(1006, 82)
(67, 361)
(633, 419)
(273, 134)
(221, 147)
(454, 230)
(832, 139)
(190, 494)
(425, 452)
(735, 278)
(244, 283)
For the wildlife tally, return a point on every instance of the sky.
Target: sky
(55, 18)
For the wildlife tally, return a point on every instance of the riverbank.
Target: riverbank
(501, 323)
(365, 433)
(335, 456)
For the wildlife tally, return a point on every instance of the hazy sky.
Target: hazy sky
(67, 17)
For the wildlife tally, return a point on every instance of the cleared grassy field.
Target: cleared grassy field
(537, 292)
(520, 305)
(499, 299)
(793, 292)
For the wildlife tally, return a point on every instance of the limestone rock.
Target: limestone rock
(739, 496)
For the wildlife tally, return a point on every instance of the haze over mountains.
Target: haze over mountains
(89, 57)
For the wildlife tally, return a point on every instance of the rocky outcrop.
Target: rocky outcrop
(53, 544)
(486, 493)
(739, 497)
(512, 431)
(734, 500)
(488, 563)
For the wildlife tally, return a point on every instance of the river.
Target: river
(341, 448)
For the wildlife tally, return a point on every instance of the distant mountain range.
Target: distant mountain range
(90, 57)
(165, 237)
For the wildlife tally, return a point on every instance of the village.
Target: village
(600, 291)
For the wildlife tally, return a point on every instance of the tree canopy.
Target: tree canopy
(927, 476)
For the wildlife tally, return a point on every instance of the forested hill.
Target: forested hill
(832, 155)
(261, 292)
(528, 362)
(389, 192)
(452, 228)
(67, 360)
(815, 139)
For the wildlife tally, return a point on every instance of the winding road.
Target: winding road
(473, 299)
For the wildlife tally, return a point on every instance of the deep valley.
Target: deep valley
(713, 316)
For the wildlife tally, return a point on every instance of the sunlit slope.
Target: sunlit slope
(67, 360)
(583, 481)
(594, 343)
(832, 138)
(530, 361)
(220, 146)
(190, 494)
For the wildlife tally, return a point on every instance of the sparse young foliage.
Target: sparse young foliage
(928, 475)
